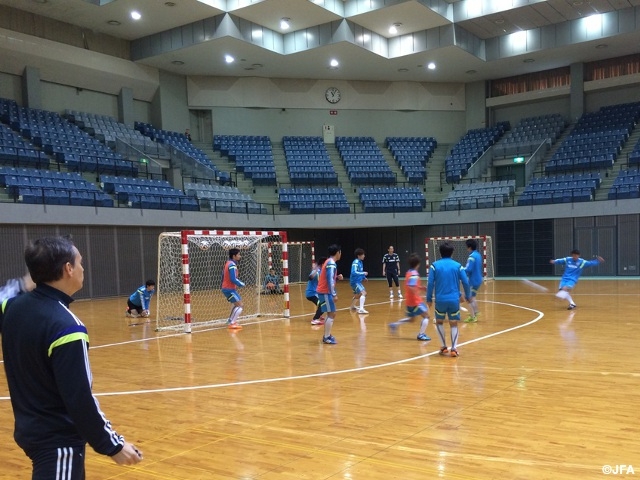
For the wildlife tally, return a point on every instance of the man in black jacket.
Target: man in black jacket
(45, 350)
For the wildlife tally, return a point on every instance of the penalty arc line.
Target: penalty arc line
(324, 374)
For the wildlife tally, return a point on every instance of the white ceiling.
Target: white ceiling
(484, 19)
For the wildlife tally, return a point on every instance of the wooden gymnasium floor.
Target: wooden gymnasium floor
(538, 392)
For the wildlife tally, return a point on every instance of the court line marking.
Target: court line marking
(336, 372)
(540, 315)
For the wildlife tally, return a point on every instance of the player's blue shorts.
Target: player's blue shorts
(326, 303)
(474, 289)
(452, 309)
(232, 296)
(569, 283)
(417, 310)
(358, 288)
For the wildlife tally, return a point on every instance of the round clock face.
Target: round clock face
(332, 95)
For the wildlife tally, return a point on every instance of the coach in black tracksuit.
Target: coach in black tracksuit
(45, 350)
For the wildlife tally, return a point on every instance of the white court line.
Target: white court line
(313, 375)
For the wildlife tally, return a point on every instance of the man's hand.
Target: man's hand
(129, 455)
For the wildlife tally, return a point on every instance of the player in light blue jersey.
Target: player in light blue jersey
(474, 272)
(445, 276)
(357, 276)
(312, 294)
(572, 271)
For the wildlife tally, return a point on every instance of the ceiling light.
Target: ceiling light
(178, 62)
(471, 72)
(170, 4)
(499, 21)
(113, 22)
(403, 70)
(257, 65)
(393, 29)
(431, 66)
(334, 63)
(136, 15)
(601, 46)
(229, 59)
(528, 60)
(284, 23)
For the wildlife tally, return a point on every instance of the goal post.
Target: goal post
(460, 253)
(190, 267)
(301, 254)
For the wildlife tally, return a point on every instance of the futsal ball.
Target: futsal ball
(271, 286)
(204, 245)
(534, 286)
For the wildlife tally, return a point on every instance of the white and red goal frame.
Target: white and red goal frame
(184, 238)
(485, 248)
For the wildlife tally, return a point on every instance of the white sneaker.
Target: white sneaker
(400, 295)
(391, 295)
(362, 310)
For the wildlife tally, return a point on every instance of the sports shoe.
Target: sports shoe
(393, 328)
(471, 319)
(131, 315)
(423, 338)
(454, 353)
(330, 340)
(319, 321)
(362, 310)
(400, 295)
(571, 306)
(353, 307)
(234, 326)
(444, 351)
(391, 296)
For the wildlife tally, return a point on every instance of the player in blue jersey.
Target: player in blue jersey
(572, 271)
(445, 276)
(474, 272)
(16, 286)
(312, 291)
(271, 282)
(357, 276)
(139, 302)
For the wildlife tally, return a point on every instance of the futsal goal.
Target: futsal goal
(301, 254)
(190, 266)
(460, 252)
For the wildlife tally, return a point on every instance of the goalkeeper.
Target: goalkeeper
(271, 282)
(138, 303)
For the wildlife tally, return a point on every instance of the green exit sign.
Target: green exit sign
(518, 159)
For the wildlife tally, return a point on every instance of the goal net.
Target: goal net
(190, 266)
(301, 254)
(460, 252)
